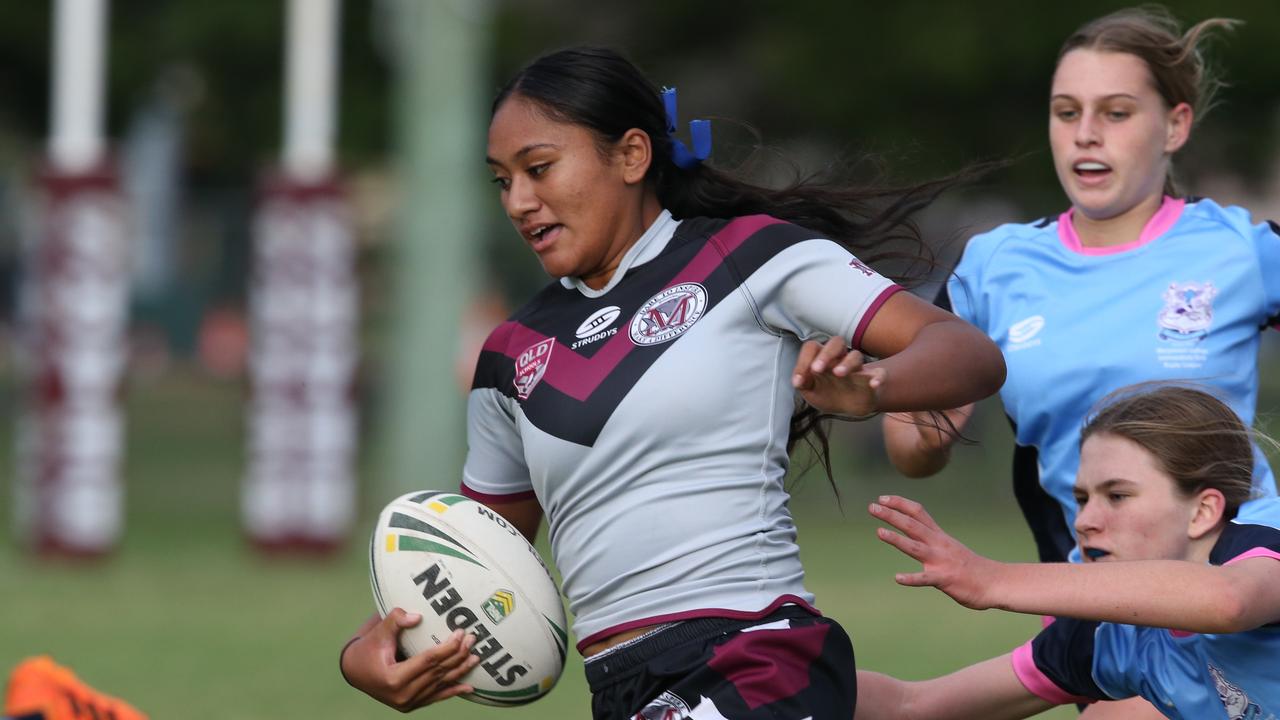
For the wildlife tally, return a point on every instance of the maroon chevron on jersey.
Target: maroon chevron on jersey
(650, 417)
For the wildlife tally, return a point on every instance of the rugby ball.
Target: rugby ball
(461, 565)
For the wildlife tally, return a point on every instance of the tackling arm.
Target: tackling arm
(989, 690)
(1211, 599)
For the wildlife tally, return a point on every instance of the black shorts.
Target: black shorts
(790, 665)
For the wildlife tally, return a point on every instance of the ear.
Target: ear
(1207, 513)
(1178, 127)
(636, 152)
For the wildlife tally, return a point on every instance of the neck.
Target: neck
(1201, 547)
(632, 229)
(1118, 229)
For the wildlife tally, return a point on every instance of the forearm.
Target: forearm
(1206, 599)
(908, 451)
(880, 697)
(947, 364)
(985, 691)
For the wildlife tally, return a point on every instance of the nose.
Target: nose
(520, 199)
(1087, 130)
(1088, 519)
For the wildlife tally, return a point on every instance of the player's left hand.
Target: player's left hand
(836, 380)
(947, 564)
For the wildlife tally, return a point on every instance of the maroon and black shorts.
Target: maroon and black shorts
(790, 665)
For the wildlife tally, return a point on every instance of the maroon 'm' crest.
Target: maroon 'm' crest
(531, 365)
(669, 314)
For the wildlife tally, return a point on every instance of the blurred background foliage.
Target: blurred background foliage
(928, 86)
(940, 83)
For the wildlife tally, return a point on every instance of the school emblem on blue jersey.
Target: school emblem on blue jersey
(531, 365)
(668, 314)
(1234, 699)
(1187, 312)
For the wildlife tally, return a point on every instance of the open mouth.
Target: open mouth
(1095, 553)
(1091, 169)
(542, 234)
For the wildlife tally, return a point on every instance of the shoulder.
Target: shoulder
(748, 244)
(984, 247)
(1224, 220)
(730, 234)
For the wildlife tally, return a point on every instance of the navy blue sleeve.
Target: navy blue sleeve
(1240, 540)
(1063, 654)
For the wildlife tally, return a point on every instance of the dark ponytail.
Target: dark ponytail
(598, 89)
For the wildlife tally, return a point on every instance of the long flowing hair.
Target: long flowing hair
(599, 89)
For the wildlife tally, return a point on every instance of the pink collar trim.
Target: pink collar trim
(1169, 212)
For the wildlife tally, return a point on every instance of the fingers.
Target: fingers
(836, 356)
(919, 579)
(911, 509)
(433, 675)
(443, 658)
(916, 529)
(802, 376)
(398, 619)
(912, 548)
(833, 356)
(874, 376)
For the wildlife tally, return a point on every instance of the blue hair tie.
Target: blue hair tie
(699, 131)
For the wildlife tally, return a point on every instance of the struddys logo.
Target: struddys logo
(531, 365)
(1188, 311)
(596, 327)
(669, 314)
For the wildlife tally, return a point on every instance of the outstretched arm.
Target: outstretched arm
(987, 690)
(1210, 599)
(931, 360)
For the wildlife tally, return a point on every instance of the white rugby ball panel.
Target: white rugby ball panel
(461, 565)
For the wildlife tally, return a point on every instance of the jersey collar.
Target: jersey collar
(1169, 212)
(651, 243)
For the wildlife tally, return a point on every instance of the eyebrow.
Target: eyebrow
(524, 151)
(1112, 96)
(1106, 485)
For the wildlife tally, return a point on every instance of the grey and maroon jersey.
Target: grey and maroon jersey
(650, 418)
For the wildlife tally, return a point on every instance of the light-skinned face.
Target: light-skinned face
(1130, 509)
(579, 209)
(1111, 133)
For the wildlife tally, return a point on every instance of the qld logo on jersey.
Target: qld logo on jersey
(668, 314)
(531, 365)
(1188, 311)
(596, 327)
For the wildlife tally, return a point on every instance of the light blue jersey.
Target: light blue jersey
(1185, 675)
(1186, 301)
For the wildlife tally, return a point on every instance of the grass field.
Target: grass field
(187, 622)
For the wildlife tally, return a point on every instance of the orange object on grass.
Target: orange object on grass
(40, 685)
